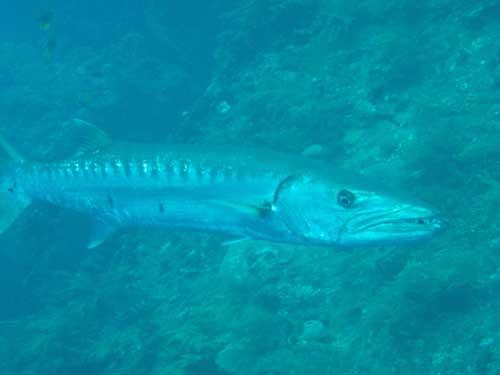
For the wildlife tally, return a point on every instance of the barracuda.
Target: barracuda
(244, 195)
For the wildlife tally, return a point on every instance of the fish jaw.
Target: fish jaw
(405, 223)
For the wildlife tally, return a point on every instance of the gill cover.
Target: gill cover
(303, 205)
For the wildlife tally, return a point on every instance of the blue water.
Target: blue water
(404, 93)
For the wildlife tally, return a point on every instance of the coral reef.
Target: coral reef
(403, 91)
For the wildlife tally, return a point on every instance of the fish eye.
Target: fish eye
(346, 198)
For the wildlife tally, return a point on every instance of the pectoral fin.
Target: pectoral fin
(10, 210)
(261, 210)
(100, 231)
(236, 241)
(11, 152)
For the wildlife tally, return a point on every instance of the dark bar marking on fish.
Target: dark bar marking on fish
(127, 169)
(116, 168)
(111, 202)
(175, 170)
(59, 171)
(168, 170)
(199, 172)
(154, 169)
(230, 173)
(102, 166)
(140, 168)
(66, 171)
(183, 170)
(47, 171)
(94, 169)
(213, 173)
(86, 169)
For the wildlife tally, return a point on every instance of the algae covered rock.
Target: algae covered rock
(313, 330)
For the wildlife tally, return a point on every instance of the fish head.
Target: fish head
(318, 211)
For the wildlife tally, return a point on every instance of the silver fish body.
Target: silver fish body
(243, 194)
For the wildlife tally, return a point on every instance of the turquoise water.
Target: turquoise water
(404, 93)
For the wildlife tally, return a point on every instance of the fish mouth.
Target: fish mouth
(428, 223)
(407, 221)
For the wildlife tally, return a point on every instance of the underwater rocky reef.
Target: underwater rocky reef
(405, 92)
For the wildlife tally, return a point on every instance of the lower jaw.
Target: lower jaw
(386, 239)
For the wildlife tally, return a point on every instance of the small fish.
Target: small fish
(249, 195)
(45, 21)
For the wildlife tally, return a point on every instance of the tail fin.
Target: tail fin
(11, 152)
(11, 205)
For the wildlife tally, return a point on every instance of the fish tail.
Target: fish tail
(11, 205)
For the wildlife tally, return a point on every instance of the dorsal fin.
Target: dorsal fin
(10, 150)
(79, 137)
